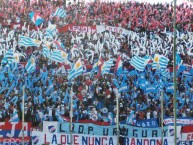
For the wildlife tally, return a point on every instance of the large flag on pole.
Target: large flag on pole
(26, 41)
(76, 70)
(55, 54)
(60, 13)
(30, 66)
(10, 57)
(105, 69)
(139, 63)
(160, 62)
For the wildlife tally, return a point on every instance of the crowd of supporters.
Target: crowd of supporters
(48, 90)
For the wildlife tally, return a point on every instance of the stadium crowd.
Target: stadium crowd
(48, 90)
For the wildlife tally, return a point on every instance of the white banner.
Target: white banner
(187, 136)
(64, 139)
(50, 126)
(149, 141)
(182, 121)
(102, 28)
(39, 138)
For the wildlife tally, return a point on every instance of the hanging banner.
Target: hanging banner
(78, 28)
(130, 131)
(14, 129)
(147, 123)
(180, 121)
(149, 141)
(92, 29)
(64, 139)
(50, 126)
(14, 141)
(187, 133)
(11, 132)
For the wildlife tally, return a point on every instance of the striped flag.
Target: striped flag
(30, 66)
(26, 41)
(10, 57)
(60, 13)
(58, 55)
(95, 67)
(51, 30)
(139, 63)
(14, 118)
(105, 69)
(160, 62)
(165, 72)
(61, 118)
(76, 70)
(46, 51)
(55, 55)
(118, 66)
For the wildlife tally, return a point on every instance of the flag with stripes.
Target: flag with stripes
(26, 41)
(60, 13)
(58, 55)
(105, 68)
(46, 50)
(10, 57)
(165, 72)
(14, 118)
(76, 70)
(160, 62)
(95, 67)
(50, 30)
(139, 63)
(31, 65)
(55, 54)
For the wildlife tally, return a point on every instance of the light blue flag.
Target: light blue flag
(76, 70)
(139, 63)
(95, 67)
(178, 60)
(26, 41)
(60, 118)
(105, 68)
(9, 58)
(170, 88)
(150, 89)
(31, 65)
(131, 118)
(60, 13)
(132, 73)
(51, 30)
(123, 87)
(160, 62)
(55, 55)
(50, 89)
(115, 82)
(14, 118)
(14, 100)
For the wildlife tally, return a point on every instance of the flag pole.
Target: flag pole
(23, 111)
(174, 69)
(162, 114)
(117, 117)
(71, 113)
